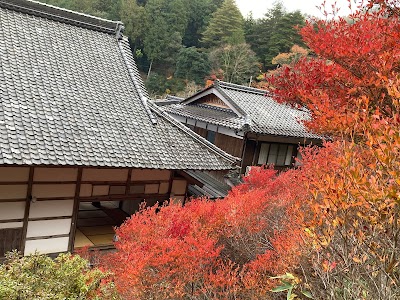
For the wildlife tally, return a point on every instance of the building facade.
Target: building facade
(80, 144)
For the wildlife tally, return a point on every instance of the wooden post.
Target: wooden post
(27, 208)
(75, 211)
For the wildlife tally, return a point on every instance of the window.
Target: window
(276, 154)
(210, 136)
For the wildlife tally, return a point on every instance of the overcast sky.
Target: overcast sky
(259, 7)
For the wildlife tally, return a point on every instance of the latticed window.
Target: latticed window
(276, 154)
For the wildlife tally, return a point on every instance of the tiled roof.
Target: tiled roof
(258, 111)
(212, 187)
(168, 100)
(71, 94)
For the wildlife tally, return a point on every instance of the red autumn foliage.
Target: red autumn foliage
(357, 57)
(345, 196)
(351, 88)
(226, 249)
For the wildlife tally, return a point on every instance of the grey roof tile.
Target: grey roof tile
(263, 114)
(211, 186)
(71, 94)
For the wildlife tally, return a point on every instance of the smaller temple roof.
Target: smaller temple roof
(247, 109)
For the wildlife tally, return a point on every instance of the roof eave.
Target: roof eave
(61, 15)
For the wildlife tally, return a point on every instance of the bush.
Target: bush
(40, 277)
(226, 249)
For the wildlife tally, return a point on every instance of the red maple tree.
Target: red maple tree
(225, 249)
(351, 88)
(334, 222)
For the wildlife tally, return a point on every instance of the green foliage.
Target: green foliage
(225, 27)
(132, 15)
(238, 62)
(199, 14)
(274, 34)
(40, 277)
(166, 21)
(192, 65)
(161, 28)
(289, 284)
(158, 85)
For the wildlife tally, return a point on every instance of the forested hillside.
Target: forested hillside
(178, 44)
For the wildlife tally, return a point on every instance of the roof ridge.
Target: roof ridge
(239, 87)
(245, 115)
(194, 135)
(135, 77)
(62, 15)
(174, 97)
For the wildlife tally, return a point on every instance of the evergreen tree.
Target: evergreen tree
(225, 27)
(274, 34)
(200, 12)
(132, 15)
(166, 21)
(192, 65)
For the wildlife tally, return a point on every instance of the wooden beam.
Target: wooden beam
(27, 208)
(75, 211)
(47, 237)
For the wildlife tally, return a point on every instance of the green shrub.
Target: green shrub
(40, 277)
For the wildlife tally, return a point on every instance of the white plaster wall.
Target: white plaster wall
(178, 187)
(201, 124)
(12, 210)
(150, 174)
(191, 122)
(51, 208)
(48, 227)
(17, 191)
(53, 190)
(151, 188)
(11, 225)
(117, 190)
(10, 174)
(100, 190)
(212, 127)
(104, 174)
(55, 174)
(179, 118)
(163, 188)
(45, 246)
(230, 132)
(85, 190)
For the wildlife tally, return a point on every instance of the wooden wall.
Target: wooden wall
(14, 189)
(231, 145)
(248, 154)
(39, 205)
(201, 131)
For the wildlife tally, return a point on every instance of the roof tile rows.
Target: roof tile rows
(73, 96)
(263, 114)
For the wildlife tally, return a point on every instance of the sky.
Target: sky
(259, 7)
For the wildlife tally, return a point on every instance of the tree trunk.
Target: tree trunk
(148, 73)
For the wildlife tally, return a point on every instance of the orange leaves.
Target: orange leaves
(354, 73)
(226, 249)
(351, 88)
